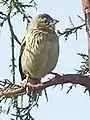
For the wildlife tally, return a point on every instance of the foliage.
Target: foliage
(12, 8)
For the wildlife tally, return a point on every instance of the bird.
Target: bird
(39, 50)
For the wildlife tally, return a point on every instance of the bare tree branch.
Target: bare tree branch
(69, 31)
(68, 78)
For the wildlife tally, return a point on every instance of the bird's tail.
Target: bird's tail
(35, 94)
(35, 81)
(38, 93)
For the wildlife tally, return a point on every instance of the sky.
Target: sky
(61, 106)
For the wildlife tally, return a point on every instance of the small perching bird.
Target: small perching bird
(39, 49)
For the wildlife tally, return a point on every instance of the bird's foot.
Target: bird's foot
(23, 83)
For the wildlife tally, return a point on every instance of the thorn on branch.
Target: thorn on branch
(82, 20)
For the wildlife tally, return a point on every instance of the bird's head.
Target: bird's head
(44, 21)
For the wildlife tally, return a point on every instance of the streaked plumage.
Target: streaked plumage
(39, 49)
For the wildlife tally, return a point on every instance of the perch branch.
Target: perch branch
(68, 78)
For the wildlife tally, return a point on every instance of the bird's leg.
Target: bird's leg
(24, 82)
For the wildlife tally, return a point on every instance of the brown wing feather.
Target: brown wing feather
(21, 52)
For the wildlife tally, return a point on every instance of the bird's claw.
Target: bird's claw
(23, 83)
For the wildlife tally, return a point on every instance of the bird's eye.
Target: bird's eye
(51, 21)
(45, 21)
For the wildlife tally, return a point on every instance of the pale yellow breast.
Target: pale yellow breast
(40, 54)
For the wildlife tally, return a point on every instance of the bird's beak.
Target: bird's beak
(55, 21)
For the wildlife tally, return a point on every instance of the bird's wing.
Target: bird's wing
(21, 52)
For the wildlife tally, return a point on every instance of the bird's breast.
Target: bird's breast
(40, 54)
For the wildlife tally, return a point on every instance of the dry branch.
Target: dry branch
(68, 78)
